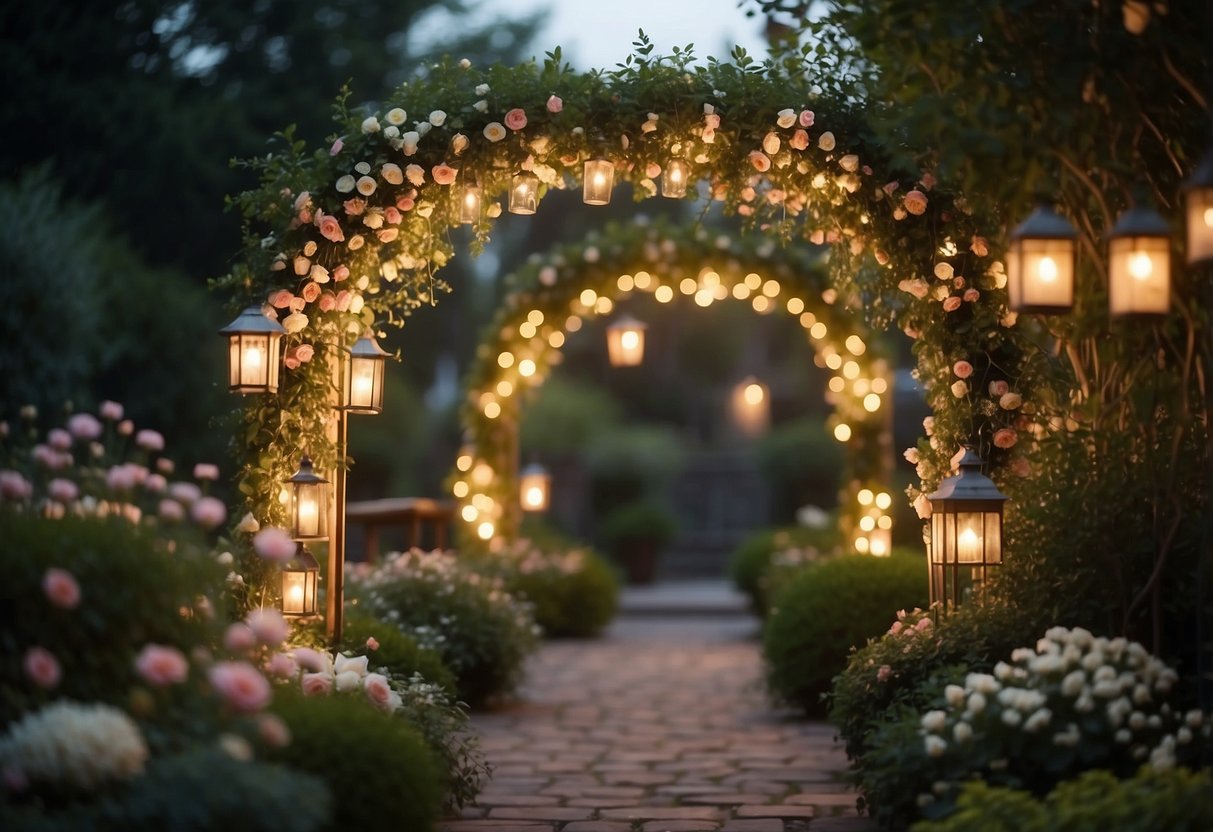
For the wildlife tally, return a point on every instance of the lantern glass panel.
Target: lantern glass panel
(469, 204)
(625, 343)
(1200, 224)
(300, 579)
(309, 510)
(1139, 275)
(1041, 275)
(674, 180)
(524, 194)
(599, 181)
(365, 382)
(534, 489)
(253, 352)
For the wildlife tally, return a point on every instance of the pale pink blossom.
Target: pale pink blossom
(951, 303)
(372, 643)
(354, 206)
(62, 491)
(515, 119)
(915, 286)
(240, 685)
(317, 684)
(915, 202)
(239, 637)
(555, 104)
(336, 147)
(42, 667)
(268, 626)
(150, 440)
(1021, 467)
(310, 659)
(999, 388)
(884, 671)
(84, 426)
(494, 132)
(760, 161)
(443, 174)
(1005, 438)
(1010, 401)
(273, 731)
(14, 486)
(206, 471)
(61, 588)
(960, 389)
(124, 477)
(208, 512)
(378, 690)
(281, 298)
(160, 666)
(274, 545)
(922, 507)
(962, 369)
(387, 235)
(806, 118)
(971, 295)
(928, 180)
(185, 492)
(59, 439)
(111, 411)
(282, 666)
(155, 483)
(330, 228)
(391, 215)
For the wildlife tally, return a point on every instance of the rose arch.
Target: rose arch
(352, 236)
(552, 296)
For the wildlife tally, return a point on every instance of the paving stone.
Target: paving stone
(844, 825)
(754, 825)
(681, 826)
(541, 813)
(516, 800)
(597, 826)
(662, 813)
(781, 810)
(725, 799)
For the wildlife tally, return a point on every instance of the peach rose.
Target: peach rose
(311, 291)
(330, 229)
(354, 207)
(341, 273)
(915, 202)
(42, 667)
(979, 246)
(328, 302)
(515, 119)
(391, 215)
(61, 588)
(1005, 438)
(281, 299)
(799, 140)
(951, 304)
(555, 104)
(240, 685)
(962, 369)
(160, 666)
(443, 174)
(317, 684)
(760, 161)
(1010, 401)
(378, 690)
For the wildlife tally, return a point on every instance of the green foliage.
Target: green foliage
(482, 632)
(803, 464)
(573, 591)
(377, 766)
(782, 549)
(631, 461)
(566, 417)
(196, 791)
(647, 521)
(1177, 800)
(826, 610)
(398, 653)
(134, 584)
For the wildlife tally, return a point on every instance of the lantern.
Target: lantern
(535, 488)
(751, 406)
(524, 193)
(253, 344)
(966, 532)
(1040, 263)
(1198, 205)
(309, 503)
(363, 388)
(674, 180)
(880, 542)
(599, 180)
(1139, 264)
(469, 199)
(300, 580)
(625, 342)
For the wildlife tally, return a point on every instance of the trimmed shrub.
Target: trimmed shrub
(398, 653)
(482, 632)
(1177, 800)
(796, 546)
(378, 766)
(826, 610)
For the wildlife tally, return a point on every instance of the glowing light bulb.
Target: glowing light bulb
(1209, 217)
(630, 339)
(295, 596)
(254, 358)
(968, 546)
(1046, 270)
(1140, 265)
(485, 531)
(534, 496)
(754, 394)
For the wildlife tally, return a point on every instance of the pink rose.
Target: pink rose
(111, 411)
(281, 299)
(405, 203)
(62, 491)
(378, 690)
(328, 302)
(42, 667)
(309, 659)
(208, 512)
(915, 202)
(387, 235)
(274, 545)
(84, 426)
(711, 121)
(896, 628)
(311, 291)
(336, 148)
(290, 361)
(268, 626)
(971, 295)
(59, 439)
(799, 140)
(928, 180)
(164, 466)
(273, 731)
(160, 666)
(171, 510)
(890, 188)
(1021, 467)
(951, 304)
(341, 273)
(555, 105)
(239, 637)
(343, 300)
(149, 440)
(282, 666)
(372, 643)
(760, 161)
(330, 229)
(61, 588)
(979, 246)
(317, 684)
(206, 471)
(391, 215)
(444, 174)
(515, 119)
(963, 369)
(303, 200)
(354, 206)
(923, 625)
(806, 118)
(240, 685)
(999, 388)
(1005, 438)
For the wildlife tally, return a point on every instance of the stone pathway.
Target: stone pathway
(661, 726)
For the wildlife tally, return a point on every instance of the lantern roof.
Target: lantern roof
(1140, 221)
(306, 475)
(627, 322)
(969, 483)
(1044, 224)
(1202, 176)
(253, 321)
(533, 470)
(368, 347)
(303, 561)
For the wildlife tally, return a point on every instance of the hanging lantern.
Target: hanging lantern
(599, 180)
(966, 533)
(300, 582)
(535, 488)
(524, 193)
(469, 199)
(751, 406)
(625, 342)
(253, 352)
(674, 180)
(309, 503)
(1139, 264)
(364, 368)
(1040, 263)
(1198, 205)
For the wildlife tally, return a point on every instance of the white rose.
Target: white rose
(248, 524)
(348, 681)
(362, 167)
(934, 721)
(294, 322)
(423, 127)
(302, 266)
(370, 125)
(396, 116)
(459, 143)
(1073, 684)
(935, 746)
(346, 184)
(960, 389)
(372, 220)
(318, 273)
(826, 141)
(409, 142)
(770, 144)
(356, 304)
(494, 131)
(366, 185)
(438, 118)
(415, 174)
(786, 117)
(392, 174)
(955, 695)
(481, 106)
(425, 209)
(482, 89)
(850, 162)
(391, 131)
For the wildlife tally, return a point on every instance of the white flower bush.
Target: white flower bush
(74, 745)
(1071, 703)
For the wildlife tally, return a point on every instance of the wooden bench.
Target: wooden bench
(412, 513)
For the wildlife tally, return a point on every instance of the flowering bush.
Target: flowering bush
(571, 588)
(75, 746)
(1072, 703)
(778, 550)
(482, 631)
(827, 609)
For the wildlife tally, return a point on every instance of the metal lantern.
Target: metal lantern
(363, 388)
(535, 488)
(524, 193)
(1198, 205)
(674, 179)
(300, 584)
(751, 406)
(309, 501)
(599, 180)
(966, 533)
(469, 200)
(1139, 264)
(625, 342)
(1040, 263)
(253, 352)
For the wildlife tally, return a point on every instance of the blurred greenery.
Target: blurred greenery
(802, 463)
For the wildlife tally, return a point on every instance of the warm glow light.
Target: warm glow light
(524, 193)
(363, 384)
(492, 410)
(968, 546)
(855, 345)
(535, 317)
(688, 286)
(879, 546)
(833, 361)
(460, 489)
(526, 329)
(867, 523)
(485, 531)
(588, 297)
(850, 370)
(842, 432)
(818, 330)
(865, 496)
(526, 368)
(879, 385)
(761, 303)
(871, 402)
(883, 500)
(254, 357)
(1209, 217)
(674, 181)
(753, 281)
(599, 179)
(556, 339)
(770, 288)
(795, 306)
(664, 294)
(470, 513)
(836, 384)
(464, 462)
(506, 359)
(751, 408)
(754, 394)
(505, 388)
(1046, 270)
(572, 323)
(704, 297)
(469, 205)
(741, 291)
(642, 280)
(861, 545)
(294, 595)
(630, 339)
(604, 306)
(534, 496)
(885, 522)
(1140, 265)
(625, 283)
(483, 474)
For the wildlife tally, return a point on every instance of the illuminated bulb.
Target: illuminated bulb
(483, 475)
(865, 496)
(1209, 217)
(535, 317)
(1046, 270)
(741, 291)
(968, 546)
(485, 531)
(492, 410)
(625, 283)
(642, 280)
(833, 361)
(795, 306)
(818, 330)
(871, 402)
(883, 500)
(842, 432)
(856, 345)
(664, 294)
(295, 597)
(867, 523)
(885, 522)
(464, 462)
(556, 339)
(879, 385)
(588, 297)
(470, 514)
(506, 359)
(754, 394)
(771, 288)
(688, 286)
(254, 357)
(534, 496)
(879, 547)
(630, 339)
(572, 323)
(761, 303)
(1141, 266)
(837, 385)
(460, 489)
(704, 297)
(753, 281)
(526, 368)
(505, 388)
(527, 329)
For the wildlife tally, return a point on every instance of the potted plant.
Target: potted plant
(635, 534)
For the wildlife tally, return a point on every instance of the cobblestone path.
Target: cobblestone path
(661, 726)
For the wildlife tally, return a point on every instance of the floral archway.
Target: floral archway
(553, 295)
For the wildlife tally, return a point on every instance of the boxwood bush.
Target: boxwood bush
(826, 610)
(753, 559)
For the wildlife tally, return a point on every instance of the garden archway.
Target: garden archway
(551, 297)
